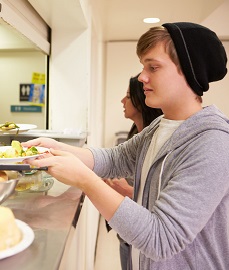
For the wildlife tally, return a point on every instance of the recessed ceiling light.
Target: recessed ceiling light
(151, 20)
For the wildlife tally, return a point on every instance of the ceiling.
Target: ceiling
(123, 19)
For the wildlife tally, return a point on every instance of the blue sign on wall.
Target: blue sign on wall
(25, 108)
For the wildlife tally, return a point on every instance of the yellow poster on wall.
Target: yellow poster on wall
(38, 78)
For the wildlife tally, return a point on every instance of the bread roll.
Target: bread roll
(10, 234)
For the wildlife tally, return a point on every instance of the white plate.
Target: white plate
(41, 150)
(22, 128)
(27, 239)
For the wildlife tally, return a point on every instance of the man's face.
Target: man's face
(164, 86)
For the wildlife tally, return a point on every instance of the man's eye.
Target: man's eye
(152, 68)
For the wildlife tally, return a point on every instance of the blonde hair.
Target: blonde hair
(152, 37)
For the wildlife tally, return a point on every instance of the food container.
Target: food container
(7, 188)
(31, 180)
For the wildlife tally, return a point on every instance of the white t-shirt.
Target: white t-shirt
(161, 135)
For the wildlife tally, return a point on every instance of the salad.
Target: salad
(8, 126)
(18, 151)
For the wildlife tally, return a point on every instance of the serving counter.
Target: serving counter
(51, 215)
(66, 136)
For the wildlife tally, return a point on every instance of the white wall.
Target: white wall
(121, 64)
(218, 92)
(69, 80)
(15, 68)
(218, 21)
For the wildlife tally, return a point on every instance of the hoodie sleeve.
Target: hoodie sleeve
(118, 161)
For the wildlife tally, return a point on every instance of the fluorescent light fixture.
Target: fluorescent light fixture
(151, 20)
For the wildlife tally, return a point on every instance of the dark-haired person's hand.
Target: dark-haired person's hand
(121, 186)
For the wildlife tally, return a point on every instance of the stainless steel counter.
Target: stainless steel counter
(51, 215)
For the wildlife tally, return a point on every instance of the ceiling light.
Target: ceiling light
(151, 20)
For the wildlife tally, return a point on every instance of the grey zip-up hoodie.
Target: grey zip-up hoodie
(183, 222)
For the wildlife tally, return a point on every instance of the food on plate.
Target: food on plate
(31, 151)
(17, 146)
(3, 176)
(10, 234)
(17, 151)
(8, 126)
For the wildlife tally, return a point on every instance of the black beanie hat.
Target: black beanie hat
(202, 56)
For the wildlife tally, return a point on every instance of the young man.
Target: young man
(179, 217)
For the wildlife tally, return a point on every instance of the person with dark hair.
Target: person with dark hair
(142, 115)
(179, 215)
